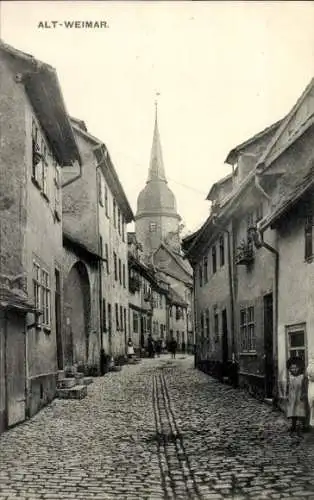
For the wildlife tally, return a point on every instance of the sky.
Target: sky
(224, 71)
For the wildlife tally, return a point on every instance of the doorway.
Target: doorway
(268, 345)
(224, 341)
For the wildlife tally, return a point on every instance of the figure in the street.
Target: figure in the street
(310, 392)
(130, 349)
(150, 346)
(173, 347)
(158, 347)
(296, 392)
(183, 347)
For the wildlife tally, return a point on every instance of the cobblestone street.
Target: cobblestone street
(157, 430)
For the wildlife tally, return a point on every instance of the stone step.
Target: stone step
(87, 380)
(60, 375)
(115, 368)
(66, 383)
(76, 392)
(70, 371)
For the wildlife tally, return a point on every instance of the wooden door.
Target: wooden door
(15, 368)
(268, 345)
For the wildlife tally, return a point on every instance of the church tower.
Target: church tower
(156, 219)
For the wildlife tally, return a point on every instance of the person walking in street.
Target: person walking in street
(130, 349)
(158, 347)
(163, 346)
(296, 392)
(150, 346)
(173, 347)
(183, 347)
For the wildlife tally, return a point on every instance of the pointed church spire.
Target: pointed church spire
(156, 167)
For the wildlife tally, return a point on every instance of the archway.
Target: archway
(77, 315)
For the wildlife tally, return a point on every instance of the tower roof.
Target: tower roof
(156, 167)
(156, 197)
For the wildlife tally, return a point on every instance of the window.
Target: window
(250, 224)
(106, 202)
(200, 274)
(123, 228)
(45, 283)
(44, 169)
(36, 285)
(207, 323)
(247, 330)
(309, 237)
(107, 257)
(222, 251)
(117, 316)
(101, 189)
(202, 325)
(250, 220)
(123, 276)
(170, 311)
(152, 227)
(114, 213)
(205, 264)
(216, 326)
(104, 316)
(121, 318)
(101, 246)
(135, 322)
(119, 221)
(36, 163)
(214, 259)
(109, 319)
(42, 293)
(120, 271)
(57, 187)
(115, 263)
(296, 340)
(124, 315)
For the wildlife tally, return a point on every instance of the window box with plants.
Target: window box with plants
(244, 254)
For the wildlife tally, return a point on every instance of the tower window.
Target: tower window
(152, 227)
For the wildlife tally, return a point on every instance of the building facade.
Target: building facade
(33, 152)
(96, 212)
(269, 319)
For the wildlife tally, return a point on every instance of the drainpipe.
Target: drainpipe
(259, 242)
(6, 398)
(258, 236)
(99, 263)
(230, 279)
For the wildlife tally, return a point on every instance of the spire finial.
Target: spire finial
(156, 105)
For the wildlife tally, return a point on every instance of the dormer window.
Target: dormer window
(153, 227)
